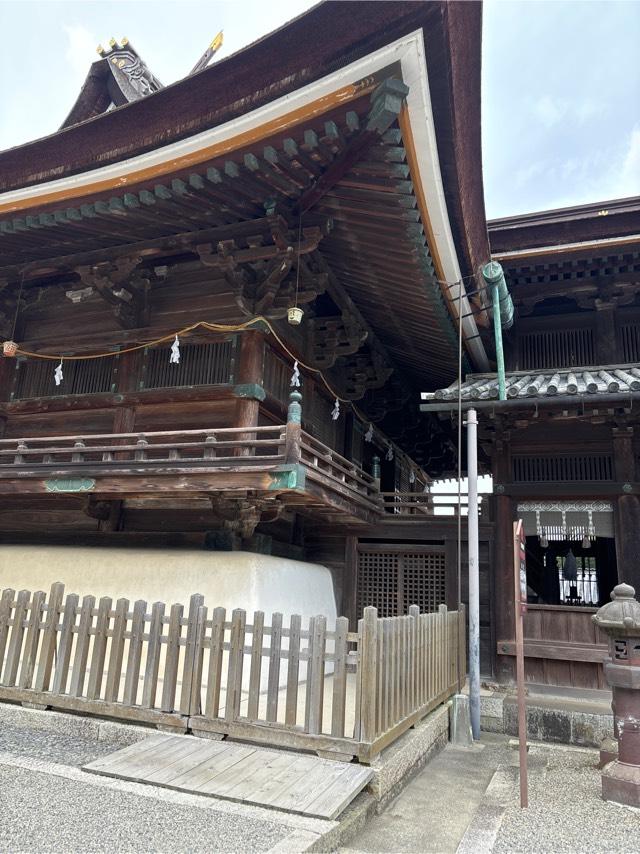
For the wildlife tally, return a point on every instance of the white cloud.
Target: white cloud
(628, 183)
(549, 110)
(81, 48)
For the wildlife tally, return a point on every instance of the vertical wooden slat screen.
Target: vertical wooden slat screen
(34, 378)
(200, 364)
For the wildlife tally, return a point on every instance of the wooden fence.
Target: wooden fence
(336, 692)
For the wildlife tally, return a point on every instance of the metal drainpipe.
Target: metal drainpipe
(474, 572)
(493, 275)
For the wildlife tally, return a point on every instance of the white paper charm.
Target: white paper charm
(335, 412)
(412, 476)
(389, 454)
(295, 376)
(368, 436)
(57, 374)
(174, 358)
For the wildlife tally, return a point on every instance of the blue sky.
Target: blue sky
(561, 80)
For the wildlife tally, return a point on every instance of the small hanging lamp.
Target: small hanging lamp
(295, 315)
(9, 348)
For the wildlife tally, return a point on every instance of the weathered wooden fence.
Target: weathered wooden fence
(334, 691)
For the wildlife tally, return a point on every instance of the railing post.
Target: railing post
(141, 448)
(375, 470)
(368, 674)
(78, 447)
(293, 429)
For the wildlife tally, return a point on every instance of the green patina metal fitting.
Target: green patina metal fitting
(251, 390)
(69, 484)
(290, 478)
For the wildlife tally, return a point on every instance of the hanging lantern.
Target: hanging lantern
(295, 315)
(586, 542)
(9, 348)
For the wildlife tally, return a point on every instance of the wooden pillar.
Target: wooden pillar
(626, 509)
(248, 378)
(503, 560)
(606, 333)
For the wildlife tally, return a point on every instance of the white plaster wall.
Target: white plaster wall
(227, 579)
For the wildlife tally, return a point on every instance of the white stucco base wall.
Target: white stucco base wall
(227, 579)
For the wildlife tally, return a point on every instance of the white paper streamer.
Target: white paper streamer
(412, 476)
(57, 374)
(389, 454)
(174, 358)
(335, 412)
(295, 376)
(368, 436)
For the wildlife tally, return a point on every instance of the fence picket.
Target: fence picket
(190, 652)
(256, 665)
(150, 684)
(132, 675)
(48, 647)
(61, 672)
(79, 670)
(6, 605)
(368, 674)
(414, 614)
(339, 696)
(273, 684)
(236, 661)
(315, 675)
(216, 650)
(96, 671)
(172, 659)
(114, 672)
(15, 643)
(32, 640)
(293, 670)
(195, 702)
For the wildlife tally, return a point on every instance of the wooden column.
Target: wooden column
(626, 509)
(249, 375)
(606, 333)
(503, 561)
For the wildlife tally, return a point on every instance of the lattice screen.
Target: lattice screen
(200, 364)
(391, 581)
(35, 378)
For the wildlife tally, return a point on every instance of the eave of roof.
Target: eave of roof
(568, 230)
(587, 385)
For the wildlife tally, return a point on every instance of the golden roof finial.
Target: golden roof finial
(113, 43)
(124, 41)
(100, 50)
(217, 42)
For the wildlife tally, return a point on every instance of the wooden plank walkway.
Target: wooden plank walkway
(279, 779)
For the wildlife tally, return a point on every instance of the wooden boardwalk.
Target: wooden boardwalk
(278, 779)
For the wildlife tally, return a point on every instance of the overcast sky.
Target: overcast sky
(561, 80)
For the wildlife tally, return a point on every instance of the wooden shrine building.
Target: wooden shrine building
(563, 447)
(153, 250)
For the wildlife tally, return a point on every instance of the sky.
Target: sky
(560, 84)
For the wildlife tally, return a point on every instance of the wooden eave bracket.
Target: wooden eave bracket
(386, 103)
(119, 285)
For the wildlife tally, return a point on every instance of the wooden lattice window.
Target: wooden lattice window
(277, 377)
(562, 468)
(86, 376)
(557, 348)
(393, 579)
(200, 364)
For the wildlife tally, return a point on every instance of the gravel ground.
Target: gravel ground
(52, 746)
(566, 812)
(42, 812)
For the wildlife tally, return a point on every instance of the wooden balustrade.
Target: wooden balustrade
(308, 686)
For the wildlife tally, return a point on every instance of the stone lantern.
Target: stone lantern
(620, 620)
